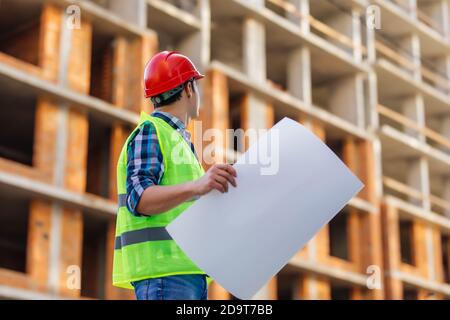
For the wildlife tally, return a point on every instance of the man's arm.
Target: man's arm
(158, 199)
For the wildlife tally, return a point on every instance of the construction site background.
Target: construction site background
(371, 78)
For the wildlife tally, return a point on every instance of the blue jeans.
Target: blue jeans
(178, 287)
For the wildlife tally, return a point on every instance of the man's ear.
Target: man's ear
(189, 89)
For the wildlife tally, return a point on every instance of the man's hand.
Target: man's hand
(217, 177)
(158, 199)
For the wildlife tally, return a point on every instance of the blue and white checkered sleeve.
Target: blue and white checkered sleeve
(145, 165)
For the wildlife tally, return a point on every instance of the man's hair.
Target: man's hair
(169, 97)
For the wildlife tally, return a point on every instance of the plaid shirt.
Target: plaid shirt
(145, 165)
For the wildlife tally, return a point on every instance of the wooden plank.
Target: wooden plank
(433, 135)
(419, 248)
(354, 238)
(51, 21)
(44, 160)
(437, 254)
(366, 226)
(319, 25)
(148, 47)
(7, 165)
(121, 67)
(21, 65)
(393, 55)
(407, 190)
(20, 280)
(75, 169)
(39, 226)
(391, 249)
(214, 114)
(367, 172)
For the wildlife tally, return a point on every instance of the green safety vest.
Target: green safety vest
(143, 247)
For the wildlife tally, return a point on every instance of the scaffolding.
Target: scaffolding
(379, 98)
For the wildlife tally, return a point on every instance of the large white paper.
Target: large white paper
(244, 237)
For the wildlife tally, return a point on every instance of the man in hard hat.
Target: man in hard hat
(159, 177)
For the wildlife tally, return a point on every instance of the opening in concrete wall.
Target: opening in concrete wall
(340, 291)
(190, 6)
(235, 114)
(94, 257)
(98, 165)
(336, 145)
(288, 284)
(397, 174)
(276, 69)
(177, 32)
(395, 103)
(226, 40)
(101, 81)
(338, 235)
(13, 229)
(435, 69)
(437, 121)
(20, 29)
(332, 20)
(406, 241)
(437, 179)
(16, 137)
(337, 88)
(430, 13)
(395, 47)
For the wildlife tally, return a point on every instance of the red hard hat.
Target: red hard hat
(167, 70)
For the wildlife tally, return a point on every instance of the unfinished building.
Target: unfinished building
(379, 98)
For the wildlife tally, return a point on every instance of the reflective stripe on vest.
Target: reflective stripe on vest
(141, 235)
(122, 198)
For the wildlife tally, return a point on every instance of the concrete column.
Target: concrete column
(446, 18)
(255, 112)
(412, 5)
(347, 99)
(197, 44)
(413, 108)
(411, 44)
(343, 23)
(418, 179)
(356, 35)
(370, 44)
(301, 16)
(299, 74)
(254, 49)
